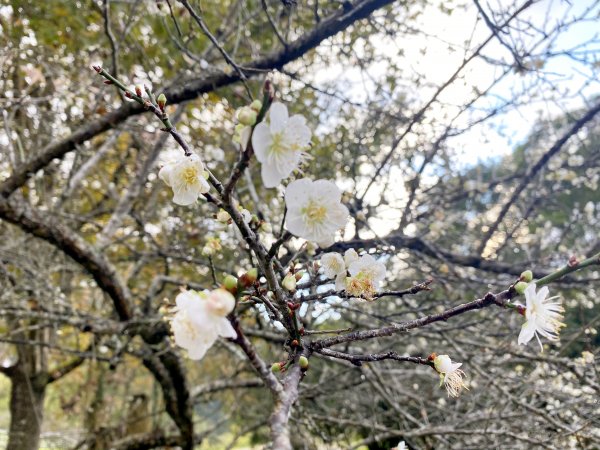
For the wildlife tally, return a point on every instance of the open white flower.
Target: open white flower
(401, 446)
(334, 267)
(450, 374)
(279, 145)
(185, 175)
(366, 273)
(544, 316)
(315, 211)
(200, 318)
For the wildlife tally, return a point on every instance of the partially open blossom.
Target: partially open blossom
(315, 211)
(450, 374)
(544, 316)
(200, 318)
(334, 267)
(401, 446)
(279, 145)
(265, 227)
(223, 216)
(366, 273)
(212, 247)
(242, 135)
(289, 282)
(185, 175)
(246, 116)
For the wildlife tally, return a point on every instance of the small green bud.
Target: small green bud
(276, 367)
(303, 362)
(249, 277)
(253, 274)
(256, 105)
(265, 227)
(520, 287)
(162, 101)
(247, 116)
(230, 283)
(527, 276)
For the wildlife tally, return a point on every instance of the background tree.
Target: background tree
(415, 108)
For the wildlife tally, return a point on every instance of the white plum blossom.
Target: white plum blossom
(185, 175)
(450, 374)
(401, 446)
(200, 318)
(333, 265)
(315, 211)
(279, 145)
(366, 273)
(544, 316)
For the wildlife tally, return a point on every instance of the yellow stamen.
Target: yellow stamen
(315, 213)
(190, 175)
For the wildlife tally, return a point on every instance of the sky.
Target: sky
(441, 32)
(435, 54)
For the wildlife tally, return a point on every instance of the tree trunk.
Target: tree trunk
(279, 421)
(26, 411)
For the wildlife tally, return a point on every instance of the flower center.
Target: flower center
(315, 213)
(360, 286)
(190, 175)
(277, 143)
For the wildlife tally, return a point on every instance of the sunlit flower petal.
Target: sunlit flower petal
(314, 210)
(200, 318)
(185, 175)
(279, 145)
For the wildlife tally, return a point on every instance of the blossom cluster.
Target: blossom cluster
(314, 212)
(366, 273)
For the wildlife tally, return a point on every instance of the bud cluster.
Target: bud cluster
(246, 118)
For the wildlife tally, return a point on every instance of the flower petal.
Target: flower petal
(297, 192)
(197, 351)
(270, 175)
(527, 332)
(225, 329)
(278, 116)
(328, 191)
(185, 196)
(297, 133)
(340, 282)
(261, 141)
